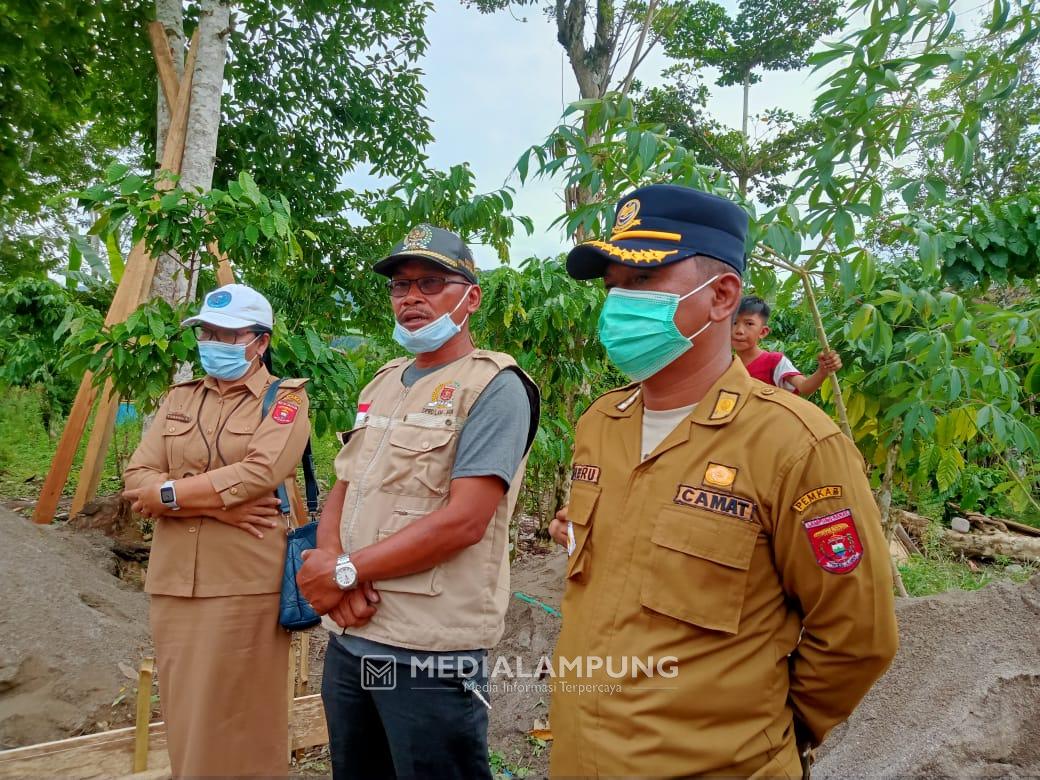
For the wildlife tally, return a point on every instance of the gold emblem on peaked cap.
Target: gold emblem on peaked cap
(419, 237)
(626, 216)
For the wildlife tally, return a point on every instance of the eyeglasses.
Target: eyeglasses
(428, 285)
(205, 334)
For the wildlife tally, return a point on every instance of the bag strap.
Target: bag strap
(272, 391)
(309, 474)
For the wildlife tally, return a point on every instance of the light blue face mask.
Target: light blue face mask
(638, 330)
(224, 361)
(433, 336)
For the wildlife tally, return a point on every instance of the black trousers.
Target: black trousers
(427, 726)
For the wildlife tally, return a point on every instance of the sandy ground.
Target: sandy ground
(67, 623)
(962, 698)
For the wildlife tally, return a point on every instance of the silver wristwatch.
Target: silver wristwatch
(346, 574)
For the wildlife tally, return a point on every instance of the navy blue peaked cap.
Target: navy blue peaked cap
(662, 224)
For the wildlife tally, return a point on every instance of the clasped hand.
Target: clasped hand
(316, 578)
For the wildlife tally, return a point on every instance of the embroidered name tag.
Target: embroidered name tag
(178, 417)
(580, 473)
(817, 494)
(720, 503)
(835, 541)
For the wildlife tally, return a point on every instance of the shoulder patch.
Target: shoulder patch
(293, 384)
(809, 414)
(835, 541)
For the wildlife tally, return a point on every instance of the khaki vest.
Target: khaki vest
(397, 462)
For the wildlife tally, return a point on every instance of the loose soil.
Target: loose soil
(962, 698)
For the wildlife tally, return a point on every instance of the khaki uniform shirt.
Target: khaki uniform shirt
(198, 430)
(743, 562)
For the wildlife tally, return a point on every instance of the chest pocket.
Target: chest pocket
(419, 460)
(346, 463)
(699, 563)
(235, 436)
(580, 511)
(176, 437)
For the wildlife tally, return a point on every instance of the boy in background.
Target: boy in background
(750, 325)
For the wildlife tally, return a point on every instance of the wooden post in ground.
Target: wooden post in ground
(137, 277)
(144, 714)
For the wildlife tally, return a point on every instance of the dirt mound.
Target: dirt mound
(962, 698)
(67, 622)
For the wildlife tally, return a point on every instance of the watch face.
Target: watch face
(166, 495)
(346, 574)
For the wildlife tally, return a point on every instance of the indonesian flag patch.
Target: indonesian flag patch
(362, 415)
(284, 412)
(835, 541)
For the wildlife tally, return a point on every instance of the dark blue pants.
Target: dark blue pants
(428, 727)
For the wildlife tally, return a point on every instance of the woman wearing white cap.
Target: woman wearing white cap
(206, 471)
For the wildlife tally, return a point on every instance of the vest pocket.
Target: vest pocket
(345, 464)
(584, 497)
(698, 569)
(419, 461)
(423, 583)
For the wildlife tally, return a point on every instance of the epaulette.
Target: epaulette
(391, 364)
(293, 384)
(189, 382)
(809, 414)
(618, 397)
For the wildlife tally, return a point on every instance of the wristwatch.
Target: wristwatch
(168, 495)
(346, 574)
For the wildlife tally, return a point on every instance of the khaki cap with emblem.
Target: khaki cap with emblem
(436, 245)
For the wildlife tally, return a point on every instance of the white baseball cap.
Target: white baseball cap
(234, 306)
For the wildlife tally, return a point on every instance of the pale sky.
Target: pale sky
(496, 86)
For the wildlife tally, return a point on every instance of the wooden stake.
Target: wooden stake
(169, 81)
(137, 275)
(144, 714)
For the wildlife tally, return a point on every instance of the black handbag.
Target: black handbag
(294, 611)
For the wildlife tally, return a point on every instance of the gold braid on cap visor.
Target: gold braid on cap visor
(632, 255)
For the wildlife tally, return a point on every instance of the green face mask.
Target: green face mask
(638, 330)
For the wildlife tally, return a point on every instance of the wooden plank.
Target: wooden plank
(97, 448)
(169, 81)
(61, 464)
(132, 289)
(225, 274)
(110, 754)
(144, 714)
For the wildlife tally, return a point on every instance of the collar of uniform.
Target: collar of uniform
(256, 383)
(726, 397)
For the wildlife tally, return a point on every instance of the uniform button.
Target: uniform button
(191, 530)
(172, 429)
(768, 391)
(209, 430)
(426, 445)
(234, 491)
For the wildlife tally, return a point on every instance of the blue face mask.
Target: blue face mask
(433, 336)
(224, 361)
(638, 330)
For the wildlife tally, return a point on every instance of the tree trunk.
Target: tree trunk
(888, 523)
(977, 545)
(170, 15)
(171, 281)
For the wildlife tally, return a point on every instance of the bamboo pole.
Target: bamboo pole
(144, 714)
(137, 275)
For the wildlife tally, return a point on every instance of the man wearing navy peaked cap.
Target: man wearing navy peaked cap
(728, 597)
